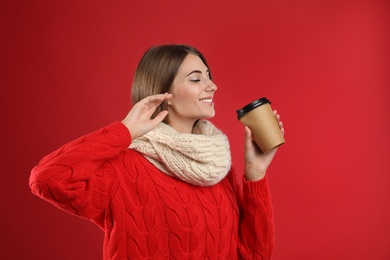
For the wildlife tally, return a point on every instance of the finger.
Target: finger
(160, 96)
(157, 99)
(160, 117)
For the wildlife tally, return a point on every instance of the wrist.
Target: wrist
(133, 133)
(251, 174)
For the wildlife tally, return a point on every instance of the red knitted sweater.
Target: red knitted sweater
(146, 214)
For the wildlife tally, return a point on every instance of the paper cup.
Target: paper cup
(260, 119)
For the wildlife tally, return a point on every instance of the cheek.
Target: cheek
(182, 103)
(184, 95)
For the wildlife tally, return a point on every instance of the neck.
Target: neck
(183, 127)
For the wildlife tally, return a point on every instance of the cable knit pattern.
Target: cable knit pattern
(202, 158)
(147, 214)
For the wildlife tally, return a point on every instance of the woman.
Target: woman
(173, 194)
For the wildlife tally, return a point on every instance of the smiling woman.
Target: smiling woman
(160, 182)
(193, 93)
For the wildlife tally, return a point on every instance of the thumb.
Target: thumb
(160, 117)
(248, 137)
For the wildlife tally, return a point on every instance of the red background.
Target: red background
(67, 67)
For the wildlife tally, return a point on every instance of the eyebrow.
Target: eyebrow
(197, 71)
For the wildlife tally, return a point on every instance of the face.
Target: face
(192, 92)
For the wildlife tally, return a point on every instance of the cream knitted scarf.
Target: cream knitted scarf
(202, 158)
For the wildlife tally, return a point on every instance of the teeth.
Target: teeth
(206, 100)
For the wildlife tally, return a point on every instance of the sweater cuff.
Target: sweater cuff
(256, 187)
(123, 133)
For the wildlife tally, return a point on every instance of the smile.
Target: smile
(206, 100)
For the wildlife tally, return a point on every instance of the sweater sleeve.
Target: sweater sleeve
(78, 177)
(256, 228)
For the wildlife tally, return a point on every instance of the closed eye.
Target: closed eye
(199, 72)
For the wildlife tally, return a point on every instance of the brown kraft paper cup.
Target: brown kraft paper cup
(260, 119)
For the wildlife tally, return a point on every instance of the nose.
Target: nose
(210, 87)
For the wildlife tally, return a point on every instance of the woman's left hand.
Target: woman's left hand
(257, 162)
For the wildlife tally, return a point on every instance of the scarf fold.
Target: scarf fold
(202, 158)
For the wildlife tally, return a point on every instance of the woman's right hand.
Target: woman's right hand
(139, 121)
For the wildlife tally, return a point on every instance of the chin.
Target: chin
(209, 116)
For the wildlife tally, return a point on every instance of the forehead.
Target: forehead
(192, 62)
